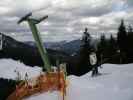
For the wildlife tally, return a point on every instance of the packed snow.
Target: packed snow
(115, 83)
(9, 69)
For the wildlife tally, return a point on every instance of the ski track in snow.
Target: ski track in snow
(116, 83)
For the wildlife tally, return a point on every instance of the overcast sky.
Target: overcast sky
(67, 18)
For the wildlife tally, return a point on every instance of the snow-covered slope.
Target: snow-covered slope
(116, 83)
(9, 69)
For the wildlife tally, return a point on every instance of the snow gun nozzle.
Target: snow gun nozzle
(24, 18)
(41, 19)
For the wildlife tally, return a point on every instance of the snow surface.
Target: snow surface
(115, 83)
(9, 69)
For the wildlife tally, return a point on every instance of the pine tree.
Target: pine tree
(129, 44)
(130, 29)
(102, 45)
(122, 36)
(112, 45)
(122, 41)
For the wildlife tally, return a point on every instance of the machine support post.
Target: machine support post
(39, 44)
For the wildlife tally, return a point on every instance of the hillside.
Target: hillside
(26, 53)
(115, 83)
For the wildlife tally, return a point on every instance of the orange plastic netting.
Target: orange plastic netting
(45, 82)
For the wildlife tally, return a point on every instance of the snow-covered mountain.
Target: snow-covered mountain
(26, 53)
(67, 47)
(115, 83)
(29, 55)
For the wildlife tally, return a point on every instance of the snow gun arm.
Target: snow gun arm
(37, 21)
(24, 18)
(42, 50)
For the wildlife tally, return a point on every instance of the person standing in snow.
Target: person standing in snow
(86, 36)
(93, 62)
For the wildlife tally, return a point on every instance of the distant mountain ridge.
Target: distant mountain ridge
(65, 52)
(67, 47)
(26, 53)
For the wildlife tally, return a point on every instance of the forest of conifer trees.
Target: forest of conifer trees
(115, 50)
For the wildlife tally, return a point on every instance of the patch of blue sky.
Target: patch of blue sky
(119, 6)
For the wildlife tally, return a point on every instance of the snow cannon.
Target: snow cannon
(53, 79)
(32, 23)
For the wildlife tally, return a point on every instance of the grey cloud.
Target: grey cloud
(87, 11)
(129, 3)
(64, 21)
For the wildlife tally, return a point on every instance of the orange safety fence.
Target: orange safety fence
(45, 82)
